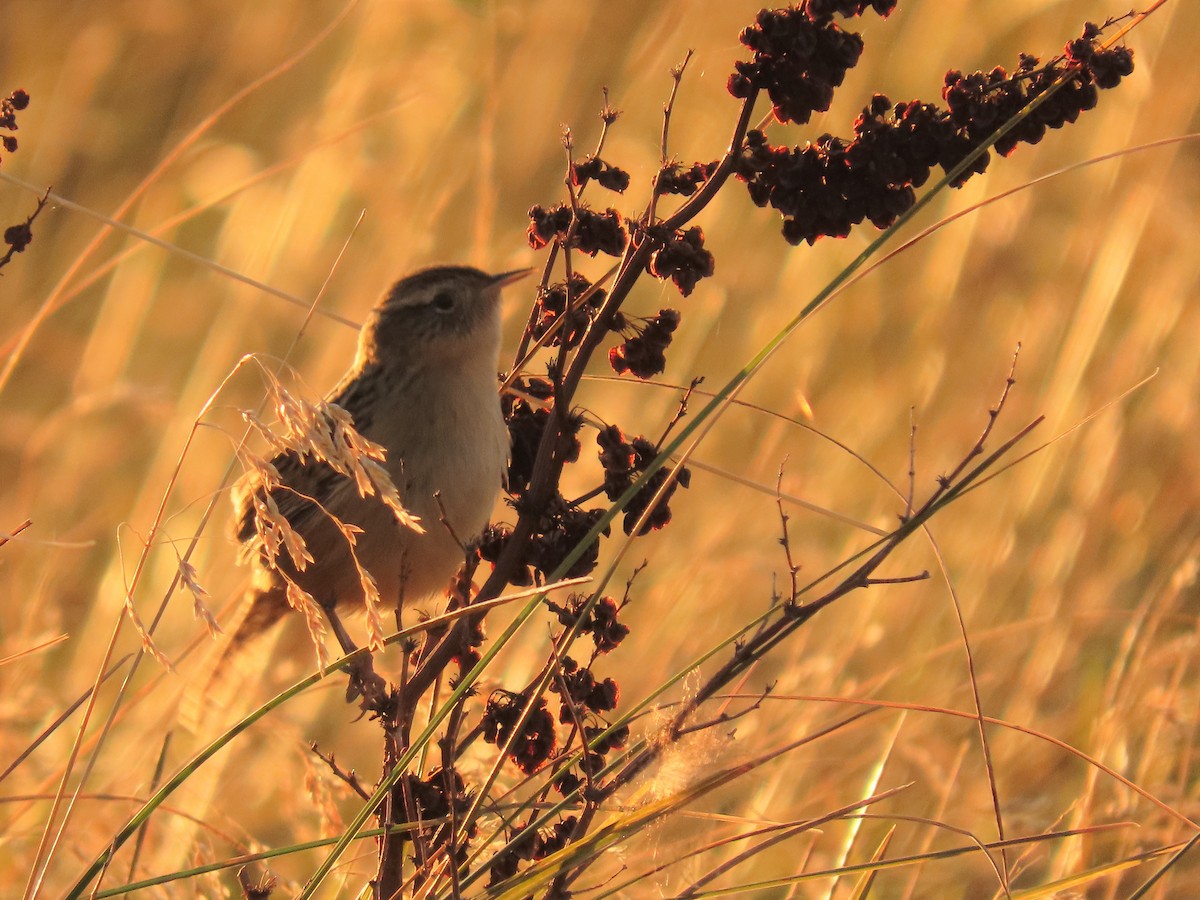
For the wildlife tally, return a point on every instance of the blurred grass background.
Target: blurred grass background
(1075, 572)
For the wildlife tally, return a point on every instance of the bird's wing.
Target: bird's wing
(299, 481)
(303, 478)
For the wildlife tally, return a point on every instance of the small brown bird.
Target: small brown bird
(423, 387)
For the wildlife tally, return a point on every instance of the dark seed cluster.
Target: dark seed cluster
(623, 461)
(643, 351)
(601, 623)
(1106, 67)
(438, 797)
(675, 179)
(800, 56)
(559, 300)
(563, 526)
(584, 692)
(979, 103)
(583, 695)
(606, 175)
(537, 739)
(554, 839)
(560, 527)
(614, 740)
(567, 782)
(529, 846)
(18, 237)
(826, 187)
(680, 256)
(593, 233)
(527, 419)
(9, 107)
(660, 515)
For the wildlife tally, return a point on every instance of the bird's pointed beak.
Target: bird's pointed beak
(506, 278)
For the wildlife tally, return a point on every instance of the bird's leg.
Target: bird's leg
(364, 681)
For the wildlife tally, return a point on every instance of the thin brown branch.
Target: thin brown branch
(681, 411)
(350, 778)
(669, 106)
(797, 614)
(5, 538)
(993, 414)
(785, 540)
(726, 718)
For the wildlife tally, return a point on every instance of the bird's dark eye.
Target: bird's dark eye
(442, 301)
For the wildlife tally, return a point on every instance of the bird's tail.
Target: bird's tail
(212, 695)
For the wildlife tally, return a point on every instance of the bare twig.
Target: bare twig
(785, 540)
(669, 106)
(351, 777)
(681, 411)
(5, 538)
(912, 464)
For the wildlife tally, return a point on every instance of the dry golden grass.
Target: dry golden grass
(1075, 572)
